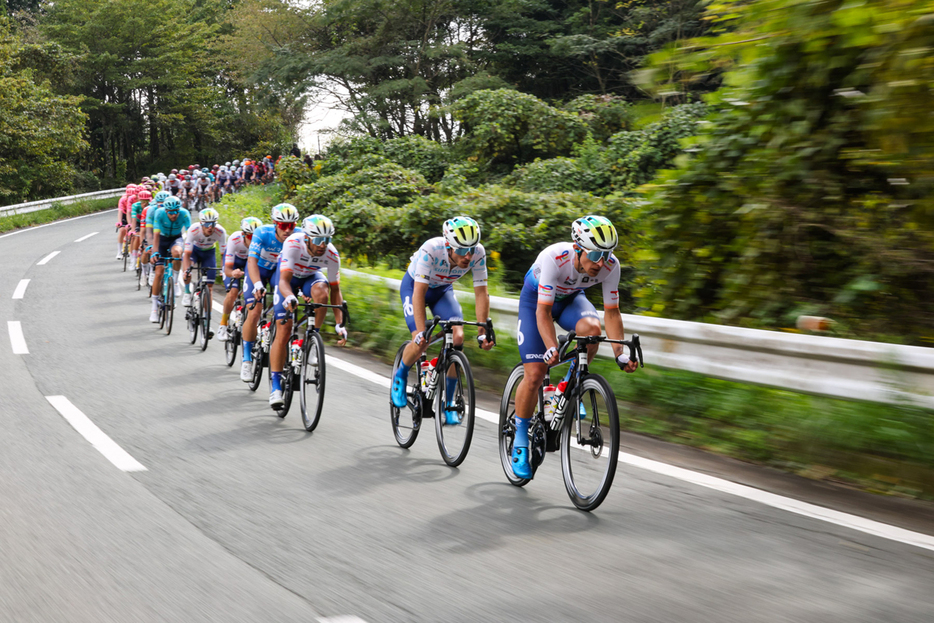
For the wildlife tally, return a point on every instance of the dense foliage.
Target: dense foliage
(812, 188)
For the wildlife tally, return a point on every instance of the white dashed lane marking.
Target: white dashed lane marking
(104, 444)
(48, 257)
(20, 289)
(17, 340)
(83, 238)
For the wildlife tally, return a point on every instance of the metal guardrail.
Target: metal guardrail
(45, 204)
(851, 369)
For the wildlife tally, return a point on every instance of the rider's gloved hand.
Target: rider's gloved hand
(290, 302)
(419, 338)
(341, 331)
(259, 292)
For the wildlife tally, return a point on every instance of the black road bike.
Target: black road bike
(583, 423)
(428, 397)
(234, 330)
(304, 369)
(198, 313)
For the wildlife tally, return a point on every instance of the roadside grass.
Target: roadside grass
(56, 213)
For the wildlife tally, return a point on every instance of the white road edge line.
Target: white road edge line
(48, 257)
(805, 509)
(20, 290)
(104, 444)
(74, 218)
(17, 339)
(341, 619)
(83, 238)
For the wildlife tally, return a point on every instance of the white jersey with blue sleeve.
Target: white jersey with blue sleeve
(556, 278)
(296, 258)
(430, 265)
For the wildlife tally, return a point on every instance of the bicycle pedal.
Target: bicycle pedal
(210, 334)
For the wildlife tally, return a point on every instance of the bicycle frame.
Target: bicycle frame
(447, 327)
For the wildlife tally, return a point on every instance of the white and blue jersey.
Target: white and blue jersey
(430, 264)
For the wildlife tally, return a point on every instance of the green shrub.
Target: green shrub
(292, 172)
(554, 175)
(507, 127)
(386, 184)
(605, 115)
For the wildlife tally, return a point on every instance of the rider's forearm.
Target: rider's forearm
(285, 284)
(336, 299)
(614, 328)
(252, 268)
(418, 304)
(483, 306)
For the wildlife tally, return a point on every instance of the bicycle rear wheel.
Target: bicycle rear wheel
(454, 438)
(126, 257)
(507, 425)
(588, 460)
(205, 305)
(311, 380)
(233, 336)
(406, 422)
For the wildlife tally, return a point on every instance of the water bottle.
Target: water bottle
(427, 374)
(548, 395)
(264, 336)
(295, 352)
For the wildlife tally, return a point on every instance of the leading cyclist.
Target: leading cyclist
(169, 225)
(554, 292)
(429, 280)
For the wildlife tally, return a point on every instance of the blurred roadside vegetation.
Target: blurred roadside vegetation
(56, 213)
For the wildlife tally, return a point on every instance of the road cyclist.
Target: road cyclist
(261, 263)
(553, 291)
(235, 256)
(429, 282)
(200, 242)
(170, 225)
(123, 215)
(306, 256)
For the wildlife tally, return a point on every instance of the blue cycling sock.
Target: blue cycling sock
(247, 351)
(452, 387)
(403, 370)
(522, 432)
(276, 378)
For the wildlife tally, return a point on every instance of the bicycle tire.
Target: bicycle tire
(231, 345)
(311, 413)
(506, 431)
(192, 316)
(603, 421)
(205, 317)
(454, 440)
(139, 274)
(126, 257)
(406, 422)
(162, 307)
(257, 365)
(170, 310)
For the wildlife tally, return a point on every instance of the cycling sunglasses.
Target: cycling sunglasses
(465, 250)
(208, 224)
(285, 226)
(596, 256)
(319, 240)
(172, 211)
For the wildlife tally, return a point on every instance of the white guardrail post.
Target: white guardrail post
(851, 369)
(45, 204)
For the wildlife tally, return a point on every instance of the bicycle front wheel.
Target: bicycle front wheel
(590, 443)
(230, 346)
(311, 380)
(406, 422)
(205, 314)
(169, 310)
(257, 365)
(454, 409)
(192, 315)
(507, 424)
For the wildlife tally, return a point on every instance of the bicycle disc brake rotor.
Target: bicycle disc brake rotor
(596, 440)
(537, 443)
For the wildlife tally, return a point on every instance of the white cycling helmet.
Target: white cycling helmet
(250, 224)
(227, 164)
(285, 213)
(318, 226)
(208, 215)
(461, 232)
(594, 233)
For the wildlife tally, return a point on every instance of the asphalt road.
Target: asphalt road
(241, 516)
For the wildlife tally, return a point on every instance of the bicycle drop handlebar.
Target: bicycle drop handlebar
(566, 354)
(448, 324)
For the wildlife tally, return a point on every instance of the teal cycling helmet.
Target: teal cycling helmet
(172, 204)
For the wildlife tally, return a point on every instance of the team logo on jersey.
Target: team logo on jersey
(569, 281)
(544, 288)
(564, 258)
